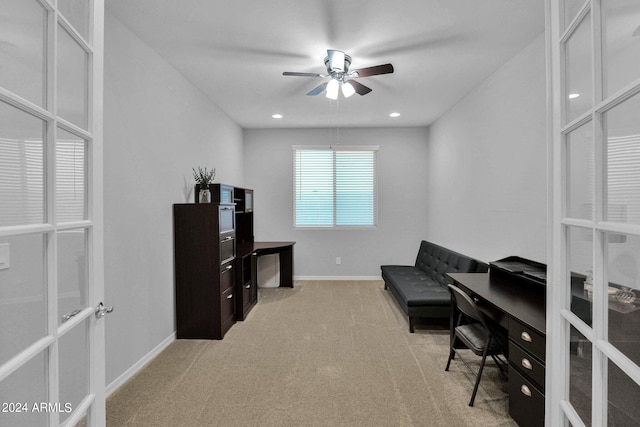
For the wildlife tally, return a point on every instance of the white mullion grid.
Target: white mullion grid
(24, 356)
(576, 222)
(561, 297)
(571, 414)
(96, 414)
(85, 224)
(74, 321)
(620, 359)
(619, 97)
(62, 20)
(557, 361)
(575, 22)
(619, 228)
(579, 324)
(600, 307)
(22, 230)
(556, 364)
(53, 370)
(80, 411)
(47, 4)
(73, 129)
(24, 105)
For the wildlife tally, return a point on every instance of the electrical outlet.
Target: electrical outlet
(5, 260)
(338, 260)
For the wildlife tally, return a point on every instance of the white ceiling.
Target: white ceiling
(235, 52)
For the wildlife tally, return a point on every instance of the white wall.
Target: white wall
(487, 165)
(157, 127)
(402, 174)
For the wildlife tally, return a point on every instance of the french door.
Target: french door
(51, 273)
(593, 304)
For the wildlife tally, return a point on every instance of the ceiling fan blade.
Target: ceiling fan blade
(359, 87)
(292, 73)
(318, 89)
(374, 71)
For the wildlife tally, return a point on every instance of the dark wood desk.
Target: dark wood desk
(285, 256)
(525, 302)
(520, 308)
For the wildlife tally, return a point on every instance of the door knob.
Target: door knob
(101, 310)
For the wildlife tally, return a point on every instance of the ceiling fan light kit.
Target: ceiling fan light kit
(337, 64)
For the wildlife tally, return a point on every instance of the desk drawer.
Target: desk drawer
(527, 365)
(226, 277)
(526, 402)
(227, 308)
(528, 338)
(227, 248)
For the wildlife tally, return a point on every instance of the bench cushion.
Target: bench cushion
(414, 287)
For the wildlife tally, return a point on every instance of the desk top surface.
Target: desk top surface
(525, 302)
(247, 248)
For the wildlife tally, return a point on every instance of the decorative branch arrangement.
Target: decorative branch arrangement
(204, 177)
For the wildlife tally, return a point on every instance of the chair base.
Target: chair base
(499, 363)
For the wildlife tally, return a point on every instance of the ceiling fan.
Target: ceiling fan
(337, 63)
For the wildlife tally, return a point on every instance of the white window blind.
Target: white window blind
(623, 179)
(71, 177)
(21, 182)
(335, 187)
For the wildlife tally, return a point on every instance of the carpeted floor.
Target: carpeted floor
(325, 353)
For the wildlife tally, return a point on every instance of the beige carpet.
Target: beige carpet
(326, 353)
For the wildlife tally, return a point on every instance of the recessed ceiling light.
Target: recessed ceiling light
(573, 95)
(277, 116)
(394, 115)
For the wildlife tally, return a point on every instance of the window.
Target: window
(335, 187)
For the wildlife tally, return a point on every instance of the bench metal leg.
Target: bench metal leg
(412, 329)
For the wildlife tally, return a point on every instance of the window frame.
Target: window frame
(335, 149)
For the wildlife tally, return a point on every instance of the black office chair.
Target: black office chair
(479, 336)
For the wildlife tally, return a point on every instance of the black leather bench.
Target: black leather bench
(421, 290)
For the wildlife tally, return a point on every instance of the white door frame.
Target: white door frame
(560, 318)
(93, 405)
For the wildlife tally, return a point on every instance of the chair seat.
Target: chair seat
(478, 336)
(475, 336)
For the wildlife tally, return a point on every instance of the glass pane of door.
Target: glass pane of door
(21, 167)
(580, 375)
(72, 80)
(623, 162)
(621, 44)
(580, 258)
(23, 293)
(25, 390)
(578, 95)
(580, 172)
(624, 395)
(623, 274)
(45, 271)
(23, 28)
(74, 367)
(571, 9)
(71, 178)
(77, 13)
(72, 273)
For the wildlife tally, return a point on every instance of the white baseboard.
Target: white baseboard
(139, 365)
(337, 278)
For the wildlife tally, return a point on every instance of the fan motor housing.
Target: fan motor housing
(347, 63)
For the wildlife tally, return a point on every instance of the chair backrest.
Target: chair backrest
(466, 304)
(469, 308)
